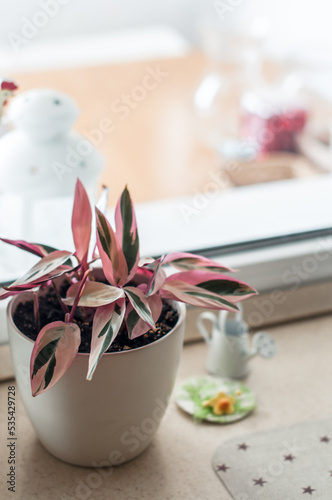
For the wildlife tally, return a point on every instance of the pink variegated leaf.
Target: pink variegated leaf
(81, 223)
(33, 248)
(46, 268)
(94, 294)
(140, 304)
(146, 261)
(213, 282)
(106, 325)
(4, 294)
(195, 296)
(126, 231)
(59, 271)
(110, 251)
(142, 276)
(102, 206)
(189, 261)
(206, 289)
(158, 278)
(54, 351)
(135, 325)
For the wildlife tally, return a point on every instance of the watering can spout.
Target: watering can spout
(262, 344)
(249, 355)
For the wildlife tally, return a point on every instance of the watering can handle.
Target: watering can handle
(239, 313)
(201, 327)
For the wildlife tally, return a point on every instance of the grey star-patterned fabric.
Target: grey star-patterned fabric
(282, 464)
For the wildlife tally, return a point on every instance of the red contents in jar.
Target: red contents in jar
(273, 131)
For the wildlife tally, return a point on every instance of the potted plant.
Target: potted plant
(96, 349)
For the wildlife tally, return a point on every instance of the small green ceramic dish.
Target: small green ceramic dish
(194, 390)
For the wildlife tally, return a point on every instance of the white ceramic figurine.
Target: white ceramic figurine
(42, 156)
(40, 161)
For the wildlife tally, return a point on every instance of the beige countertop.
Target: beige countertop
(293, 387)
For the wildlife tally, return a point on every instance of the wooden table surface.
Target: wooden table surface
(153, 139)
(151, 144)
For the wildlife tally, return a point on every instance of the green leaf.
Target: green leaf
(54, 351)
(226, 287)
(126, 230)
(140, 304)
(47, 267)
(94, 294)
(106, 325)
(44, 355)
(110, 251)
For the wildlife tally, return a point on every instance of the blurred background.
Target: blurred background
(217, 114)
(295, 24)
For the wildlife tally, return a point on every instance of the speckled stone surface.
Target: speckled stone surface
(6, 367)
(293, 387)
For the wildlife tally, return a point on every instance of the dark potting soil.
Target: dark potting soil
(50, 310)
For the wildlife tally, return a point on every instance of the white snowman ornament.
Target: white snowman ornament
(42, 157)
(40, 161)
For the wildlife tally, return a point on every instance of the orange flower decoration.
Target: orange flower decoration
(221, 404)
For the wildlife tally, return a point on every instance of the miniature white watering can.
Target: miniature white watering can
(228, 344)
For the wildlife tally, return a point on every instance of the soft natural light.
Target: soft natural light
(165, 249)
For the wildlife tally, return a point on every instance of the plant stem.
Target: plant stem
(36, 310)
(78, 296)
(69, 278)
(63, 306)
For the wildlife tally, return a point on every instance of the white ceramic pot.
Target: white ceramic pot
(110, 419)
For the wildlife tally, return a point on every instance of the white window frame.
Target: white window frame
(278, 234)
